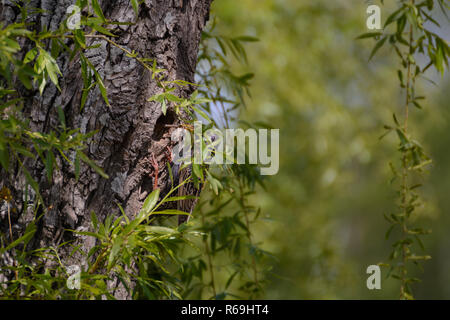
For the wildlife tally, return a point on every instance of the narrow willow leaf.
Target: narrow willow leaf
(150, 202)
(159, 229)
(114, 251)
(389, 231)
(414, 257)
(377, 47)
(94, 220)
(369, 35)
(171, 212)
(164, 107)
(135, 5)
(92, 164)
(101, 86)
(439, 62)
(98, 10)
(392, 17)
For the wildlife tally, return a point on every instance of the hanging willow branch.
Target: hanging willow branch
(409, 37)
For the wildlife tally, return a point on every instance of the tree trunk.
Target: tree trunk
(130, 131)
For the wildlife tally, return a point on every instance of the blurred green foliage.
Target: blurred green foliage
(326, 204)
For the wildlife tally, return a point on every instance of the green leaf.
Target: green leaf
(20, 149)
(92, 164)
(377, 47)
(400, 78)
(402, 136)
(30, 55)
(80, 38)
(94, 220)
(98, 10)
(90, 234)
(197, 171)
(164, 107)
(391, 18)
(369, 35)
(180, 198)
(201, 113)
(135, 5)
(114, 251)
(230, 279)
(102, 30)
(150, 202)
(417, 105)
(439, 62)
(42, 84)
(389, 231)
(159, 230)
(395, 119)
(414, 257)
(84, 97)
(171, 212)
(101, 86)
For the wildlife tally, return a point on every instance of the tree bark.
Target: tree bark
(130, 131)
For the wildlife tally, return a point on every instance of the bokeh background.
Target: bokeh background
(323, 212)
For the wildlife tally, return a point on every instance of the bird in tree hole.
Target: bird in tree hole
(182, 177)
(187, 188)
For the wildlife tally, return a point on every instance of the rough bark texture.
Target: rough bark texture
(130, 131)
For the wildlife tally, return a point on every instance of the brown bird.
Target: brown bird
(187, 189)
(182, 174)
